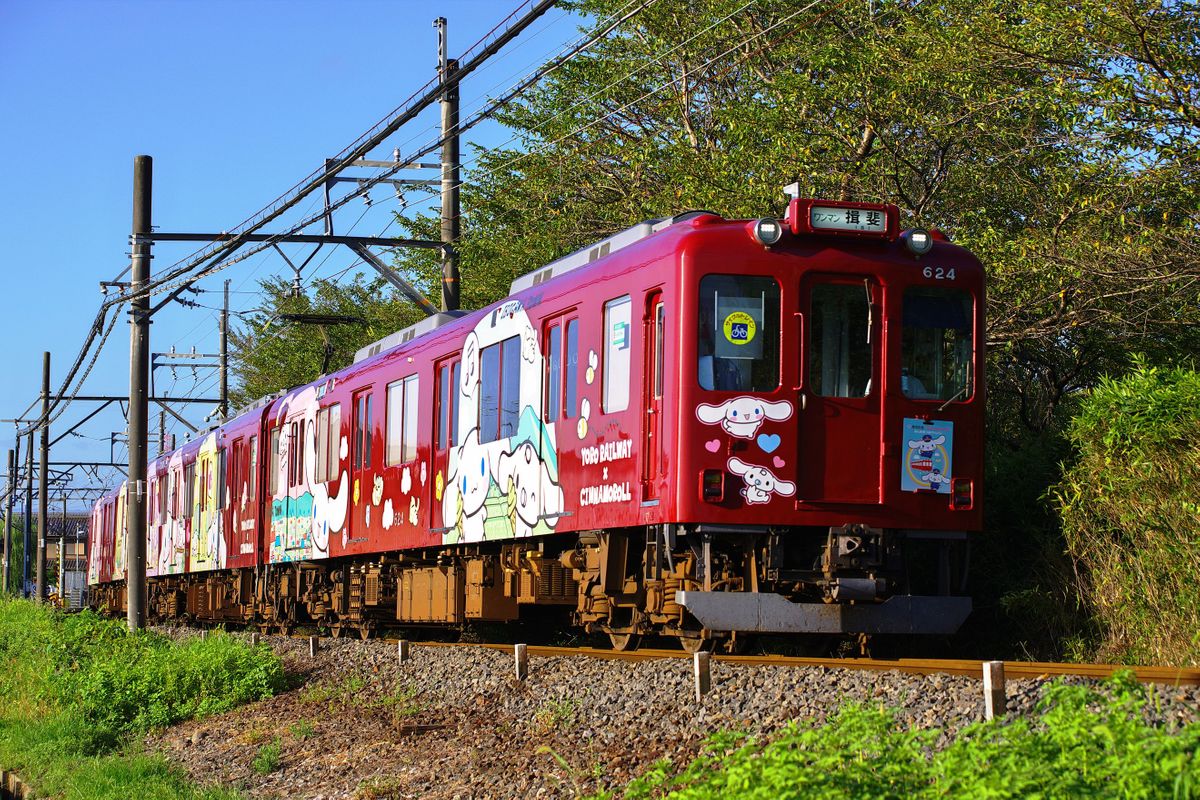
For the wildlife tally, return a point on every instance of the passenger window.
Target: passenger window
(554, 373)
(329, 439)
(273, 469)
(839, 362)
(445, 418)
(618, 333)
(937, 344)
(189, 488)
(738, 344)
(500, 389)
(253, 467)
(571, 387)
(401, 421)
(562, 369)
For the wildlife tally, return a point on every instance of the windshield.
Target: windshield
(937, 344)
(739, 333)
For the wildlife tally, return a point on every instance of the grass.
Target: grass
(266, 760)
(1082, 743)
(77, 691)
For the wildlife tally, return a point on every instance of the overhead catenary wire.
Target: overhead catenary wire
(488, 45)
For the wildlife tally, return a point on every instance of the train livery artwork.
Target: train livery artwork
(698, 428)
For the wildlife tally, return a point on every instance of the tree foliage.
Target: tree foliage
(1058, 141)
(273, 354)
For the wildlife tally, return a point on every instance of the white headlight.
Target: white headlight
(917, 240)
(767, 231)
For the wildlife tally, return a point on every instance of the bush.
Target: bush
(1082, 743)
(76, 688)
(1130, 509)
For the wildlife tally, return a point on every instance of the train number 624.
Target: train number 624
(939, 273)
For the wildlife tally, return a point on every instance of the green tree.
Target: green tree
(271, 353)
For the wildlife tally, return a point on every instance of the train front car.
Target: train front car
(828, 444)
(811, 444)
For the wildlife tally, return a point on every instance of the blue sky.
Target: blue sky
(236, 102)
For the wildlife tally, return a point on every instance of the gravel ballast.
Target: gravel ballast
(454, 722)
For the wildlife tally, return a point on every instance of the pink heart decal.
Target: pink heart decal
(713, 446)
(778, 462)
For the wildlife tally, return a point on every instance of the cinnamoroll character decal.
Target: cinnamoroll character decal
(532, 493)
(928, 457)
(936, 479)
(761, 483)
(743, 416)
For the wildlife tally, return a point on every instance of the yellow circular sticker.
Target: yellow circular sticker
(739, 328)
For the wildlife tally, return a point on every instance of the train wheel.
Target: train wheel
(624, 642)
(695, 644)
(364, 630)
(335, 630)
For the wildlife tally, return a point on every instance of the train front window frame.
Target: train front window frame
(937, 344)
(739, 330)
(841, 358)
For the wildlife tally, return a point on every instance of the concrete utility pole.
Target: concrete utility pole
(62, 558)
(448, 69)
(8, 504)
(225, 355)
(139, 376)
(27, 528)
(43, 480)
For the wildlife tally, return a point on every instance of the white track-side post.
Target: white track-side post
(521, 657)
(702, 672)
(995, 701)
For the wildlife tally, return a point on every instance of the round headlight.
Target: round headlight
(918, 241)
(767, 231)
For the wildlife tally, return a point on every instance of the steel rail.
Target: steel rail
(1175, 676)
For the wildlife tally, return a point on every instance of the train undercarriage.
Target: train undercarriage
(704, 586)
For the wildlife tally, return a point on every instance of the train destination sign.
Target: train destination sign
(865, 220)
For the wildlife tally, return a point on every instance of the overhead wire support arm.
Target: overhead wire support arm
(404, 287)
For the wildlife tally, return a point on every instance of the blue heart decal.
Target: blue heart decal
(769, 442)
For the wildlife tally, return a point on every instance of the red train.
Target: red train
(697, 428)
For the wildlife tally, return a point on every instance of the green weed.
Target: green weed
(76, 691)
(1081, 743)
(302, 730)
(266, 760)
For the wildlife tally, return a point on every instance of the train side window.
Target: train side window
(253, 468)
(235, 473)
(273, 464)
(937, 344)
(562, 368)
(329, 437)
(444, 419)
(839, 363)
(222, 486)
(455, 376)
(189, 488)
(362, 430)
(500, 389)
(553, 372)
(401, 421)
(618, 344)
(571, 365)
(738, 344)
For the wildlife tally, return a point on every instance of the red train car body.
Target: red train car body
(696, 428)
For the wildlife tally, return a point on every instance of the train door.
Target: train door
(360, 463)
(297, 498)
(241, 535)
(654, 325)
(840, 421)
(446, 436)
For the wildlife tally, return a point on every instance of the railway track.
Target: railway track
(1174, 676)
